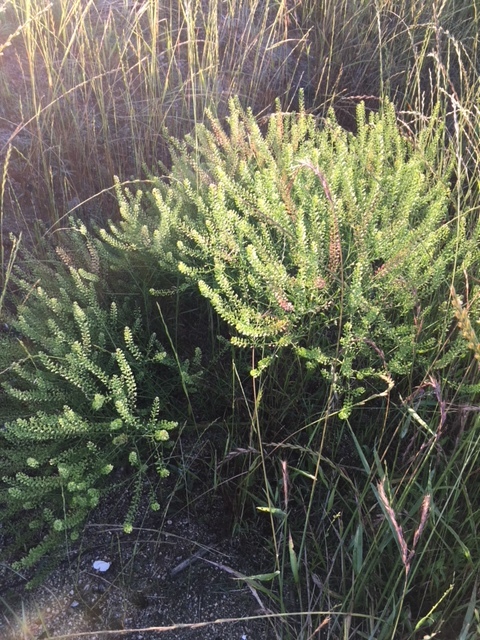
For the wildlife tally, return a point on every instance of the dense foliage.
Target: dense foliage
(91, 390)
(311, 239)
(328, 260)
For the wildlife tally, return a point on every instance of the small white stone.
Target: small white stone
(100, 565)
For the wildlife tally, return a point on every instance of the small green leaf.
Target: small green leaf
(260, 577)
(293, 559)
(98, 401)
(274, 511)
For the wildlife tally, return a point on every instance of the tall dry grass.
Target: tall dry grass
(89, 88)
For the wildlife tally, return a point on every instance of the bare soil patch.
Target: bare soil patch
(177, 571)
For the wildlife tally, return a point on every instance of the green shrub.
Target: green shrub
(94, 391)
(336, 248)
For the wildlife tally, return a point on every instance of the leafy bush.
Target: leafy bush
(333, 246)
(94, 391)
